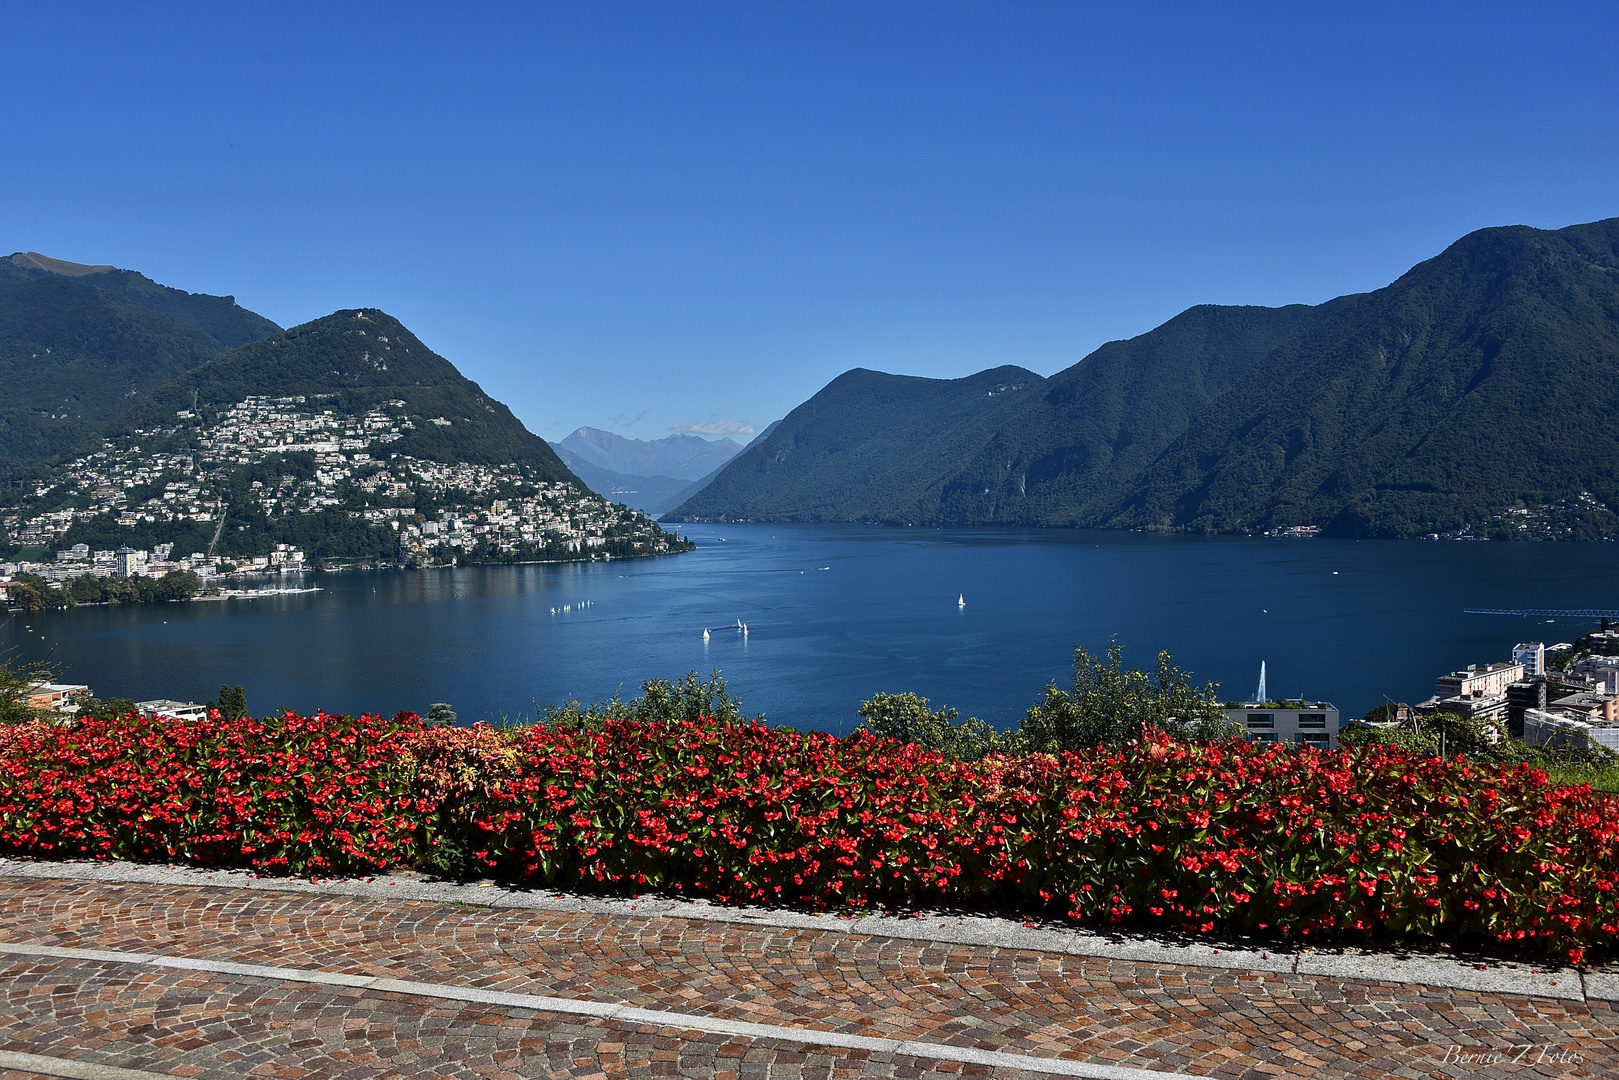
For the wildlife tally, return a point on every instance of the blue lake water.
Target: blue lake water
(836, 613)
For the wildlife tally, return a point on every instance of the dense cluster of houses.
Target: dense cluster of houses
(1572, 702)
(353, 474)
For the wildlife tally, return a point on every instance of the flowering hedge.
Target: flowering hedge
(1373, 845)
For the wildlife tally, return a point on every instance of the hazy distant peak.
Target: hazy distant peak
(33, 260)
(682, 456)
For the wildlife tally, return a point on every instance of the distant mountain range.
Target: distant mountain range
(650, 475)
(1476, 396)
(681, 456)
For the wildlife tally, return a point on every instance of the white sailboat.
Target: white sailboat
(705, 635)
(961, 601)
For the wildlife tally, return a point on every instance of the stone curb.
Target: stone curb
(1443, 972)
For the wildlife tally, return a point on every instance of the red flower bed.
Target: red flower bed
(1373, 845)
(310, 795)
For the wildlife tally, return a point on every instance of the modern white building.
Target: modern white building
(64, 698)
(179, 710)
(127, 562)
(1562, 727)
(1302, 723)
(1532, 655)
(1478, 681)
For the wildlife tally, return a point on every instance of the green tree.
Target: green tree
(1110, 705)
(440, 714)
(17, 681)
(110, 709)
(687, 699)
(907, 718)
(231, 703)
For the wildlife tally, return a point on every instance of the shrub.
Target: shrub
(1371, 845)
(1110, 706)
(907, 718)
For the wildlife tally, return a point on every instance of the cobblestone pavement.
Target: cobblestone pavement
(1204, 1021)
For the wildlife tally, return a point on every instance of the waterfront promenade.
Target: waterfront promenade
(124, 973)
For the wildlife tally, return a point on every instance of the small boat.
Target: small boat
(961, 600)
(705, 633)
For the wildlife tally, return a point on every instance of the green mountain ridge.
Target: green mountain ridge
(353, 360)
(863, 449)
(1481, 380)
(80, 345)
(220, 317)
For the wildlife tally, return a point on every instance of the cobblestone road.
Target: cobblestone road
(1201, 1021)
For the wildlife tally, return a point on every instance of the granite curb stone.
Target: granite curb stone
(1493, 976)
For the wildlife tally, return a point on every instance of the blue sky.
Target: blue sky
(698, 214)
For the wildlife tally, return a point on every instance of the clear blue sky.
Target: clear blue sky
(697, 214)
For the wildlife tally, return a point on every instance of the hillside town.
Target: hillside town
(273, 461)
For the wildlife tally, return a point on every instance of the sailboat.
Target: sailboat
(744, 629)
(705, 635)
(961, 601)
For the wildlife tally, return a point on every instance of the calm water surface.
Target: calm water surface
(836, 613)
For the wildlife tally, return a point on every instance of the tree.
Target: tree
(440, 714)
(1110, 705)
(661, 701)
(1438, 734)
(232, 702)
(907, 717)
(17, 682)
(110, 709)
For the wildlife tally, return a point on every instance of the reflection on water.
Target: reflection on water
(975, 618)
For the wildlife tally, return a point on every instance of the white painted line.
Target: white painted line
(74, 1070)
(602, 1010)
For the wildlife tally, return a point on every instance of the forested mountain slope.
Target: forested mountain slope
(1483, 383)
(355, 360)
(1067, 454)
(867, 447)
(80, 345)
(1484, 377)
(1002, 446)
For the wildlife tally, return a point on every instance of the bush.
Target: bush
(1371, 845)
(907, 718)
(1110, 706)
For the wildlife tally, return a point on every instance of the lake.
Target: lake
(836, 613)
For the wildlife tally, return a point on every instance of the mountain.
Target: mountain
(691, 489)
(343, 441)
(353, 361)
(680, 456)
(868, 447)
(80, 344)
(652, 494)
(1473, 396)
(217, 316)
(1481, 379)
(1068, 453)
